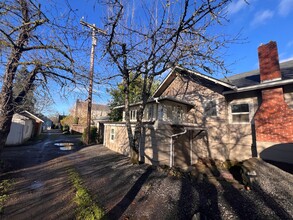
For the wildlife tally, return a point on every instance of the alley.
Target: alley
(41, 187)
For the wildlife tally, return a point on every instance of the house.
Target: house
(24, 126)
(192, 115)
(99, 113)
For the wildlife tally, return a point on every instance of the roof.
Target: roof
(252, 78)
(242, 82)
(172, 75)
(32, 116)
(100, 107)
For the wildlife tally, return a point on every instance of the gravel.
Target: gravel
(128, 191)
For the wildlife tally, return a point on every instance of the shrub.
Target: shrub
(93, 136)
(65, 127)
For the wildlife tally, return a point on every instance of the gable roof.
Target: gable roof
(172, 75)
(247, 81)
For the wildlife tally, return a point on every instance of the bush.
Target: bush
(65, 127)
(93, 136)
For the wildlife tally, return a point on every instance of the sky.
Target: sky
(258, 22)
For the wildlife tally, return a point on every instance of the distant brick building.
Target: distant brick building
(98, 112)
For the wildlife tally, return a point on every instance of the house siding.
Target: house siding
(226, 140)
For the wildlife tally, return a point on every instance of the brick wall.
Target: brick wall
(274, 119)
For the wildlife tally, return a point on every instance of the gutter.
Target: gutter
(260, 86)
(172, 146)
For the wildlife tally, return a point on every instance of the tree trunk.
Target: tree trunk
(6, 97)
(5, 119)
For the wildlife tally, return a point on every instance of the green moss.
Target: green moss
(87, 208)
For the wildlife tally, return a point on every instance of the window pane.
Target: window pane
(210, 108)
(240, 108)
(240, 118)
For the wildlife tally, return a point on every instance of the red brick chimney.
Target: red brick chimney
(273, 119)
(269, 66)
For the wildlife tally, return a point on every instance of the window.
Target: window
(177, 114)
(150, 112)
(240, 113)
(210, 108)
(133, 115)
(112, 134)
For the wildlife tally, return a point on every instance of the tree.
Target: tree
(148, 37)
(33, 47)
(135, 93)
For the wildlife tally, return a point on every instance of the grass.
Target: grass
(87, 208)
(5, 185)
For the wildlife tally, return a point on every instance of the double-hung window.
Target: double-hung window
(240, 113)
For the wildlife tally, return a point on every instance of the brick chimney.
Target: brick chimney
(273, 119)
(269, 66)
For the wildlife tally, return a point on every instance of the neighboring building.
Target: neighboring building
(98, 112)
(24, 126)
(192, 115)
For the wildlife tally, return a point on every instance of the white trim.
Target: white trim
(114, 134)
(217, 81)
(163, 82)
(250, 112)
(260, 86)
(33, 116)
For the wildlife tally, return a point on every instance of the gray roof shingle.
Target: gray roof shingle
(252, 78)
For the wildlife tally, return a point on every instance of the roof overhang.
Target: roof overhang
(32, 116)
(159, 99)
(260, 86)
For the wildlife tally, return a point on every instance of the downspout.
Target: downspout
(172, 148)
(173, 135)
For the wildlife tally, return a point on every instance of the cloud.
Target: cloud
(284, 7)
(262, 17)
(234, 7)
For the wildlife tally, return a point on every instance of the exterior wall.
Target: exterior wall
(120, 143)
(21, 130)
(156, 142)
(226, 140)
(77, 128)
(80, 111)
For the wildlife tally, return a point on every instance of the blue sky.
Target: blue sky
(258, 21)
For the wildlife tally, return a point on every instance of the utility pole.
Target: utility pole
(91, 74)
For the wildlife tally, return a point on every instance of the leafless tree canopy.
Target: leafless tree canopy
(148, 37)
(35, 48)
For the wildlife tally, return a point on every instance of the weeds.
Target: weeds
(87, 208)
(5, 185)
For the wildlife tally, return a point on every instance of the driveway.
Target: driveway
(41, 187)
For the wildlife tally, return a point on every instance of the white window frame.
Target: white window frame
(217, 110)
(133, 115)
(250, 110)
(112, 134)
